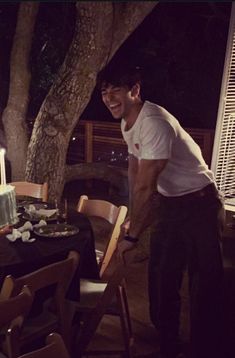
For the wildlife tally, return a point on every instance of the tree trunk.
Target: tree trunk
(97, 37)
(14, 115)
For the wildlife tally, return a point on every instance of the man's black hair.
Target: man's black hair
(119, 75)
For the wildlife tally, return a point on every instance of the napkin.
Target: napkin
(41, 223)
(23, 232)
(25, 237)
(27, 226)
(16, 234)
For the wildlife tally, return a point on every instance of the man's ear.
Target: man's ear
(135, 91)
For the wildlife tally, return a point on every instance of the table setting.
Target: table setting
(44, 220)
(34, 234)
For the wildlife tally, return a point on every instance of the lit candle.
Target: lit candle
(2, 165)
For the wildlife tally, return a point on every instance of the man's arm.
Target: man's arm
(132, 174)
(143, 189)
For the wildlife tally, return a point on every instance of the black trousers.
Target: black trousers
(187, 236)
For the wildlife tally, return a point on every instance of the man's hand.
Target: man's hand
(124, 228)
(123, 246)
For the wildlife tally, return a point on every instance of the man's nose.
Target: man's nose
(109, 97)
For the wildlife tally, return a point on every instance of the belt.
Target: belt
(209, 190)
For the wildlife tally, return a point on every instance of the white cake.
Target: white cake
(8, 215)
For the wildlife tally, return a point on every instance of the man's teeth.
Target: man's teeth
(113, 105)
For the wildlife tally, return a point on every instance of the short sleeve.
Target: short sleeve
(156, 139)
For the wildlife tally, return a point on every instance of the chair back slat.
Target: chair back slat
(59, 274)
(12, 313)
(100, 208)
(34, 190)
(15, 306)
(113, 214)
(113, 241)
(55, 347)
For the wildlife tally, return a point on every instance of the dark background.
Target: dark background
(180, 46)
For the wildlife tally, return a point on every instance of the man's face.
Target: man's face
(118, 99)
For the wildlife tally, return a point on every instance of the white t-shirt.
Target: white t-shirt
(157, 134)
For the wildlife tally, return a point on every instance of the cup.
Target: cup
(57, 211)
(63, 210)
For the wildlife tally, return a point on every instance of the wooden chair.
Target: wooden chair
(96, 299)
(55, 347)
(38, 191)
(109, 212)
(115, 216)
(12, 312)
(53, 317)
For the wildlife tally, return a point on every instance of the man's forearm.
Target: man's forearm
(142, 192)
(141, 214)
(132, 173)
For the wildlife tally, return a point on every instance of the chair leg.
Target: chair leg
(128, 318)
(125, 321)
(11, 344)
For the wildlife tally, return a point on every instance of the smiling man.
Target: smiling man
(165, 162)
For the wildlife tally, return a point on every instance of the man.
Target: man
(163, 156)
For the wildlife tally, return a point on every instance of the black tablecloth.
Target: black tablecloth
(18, 258)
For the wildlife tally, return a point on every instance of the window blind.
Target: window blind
(223, 157)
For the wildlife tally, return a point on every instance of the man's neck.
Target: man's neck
(133, 115)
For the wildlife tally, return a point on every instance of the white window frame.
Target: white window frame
(223, 156)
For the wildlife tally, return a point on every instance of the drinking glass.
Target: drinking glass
(63, 210)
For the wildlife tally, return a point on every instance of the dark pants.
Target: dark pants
(187, 236)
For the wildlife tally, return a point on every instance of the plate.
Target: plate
(22, 205)
(36, 205)
(37, 218)
(56, 230)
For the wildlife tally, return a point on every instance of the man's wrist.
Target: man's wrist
(131, 238)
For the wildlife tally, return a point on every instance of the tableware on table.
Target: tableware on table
(39, 211)
(27, 226)
(57, 211)
(37, 206)
(56, 230)
(22, 202)
(63, 210)
(25, 236)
